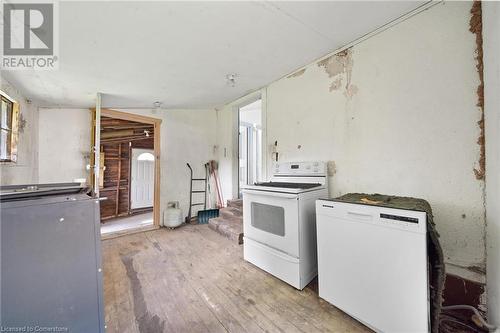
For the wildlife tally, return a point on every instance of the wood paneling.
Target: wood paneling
(116, 145)
(120, 130)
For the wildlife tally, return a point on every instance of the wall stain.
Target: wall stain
(336, 85)
(480, 269)
(337, 67)
(350, 91)
(476, 27)
(297, 74)
(145, 320)
(22, 123)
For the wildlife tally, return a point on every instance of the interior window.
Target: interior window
(146, 157)
(8, 129)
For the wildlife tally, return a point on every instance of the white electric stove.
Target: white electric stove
(279, 222)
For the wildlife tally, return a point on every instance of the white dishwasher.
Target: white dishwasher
(372, 264)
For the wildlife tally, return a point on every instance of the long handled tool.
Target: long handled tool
(191, 192)
(213, 171)
(204, 214)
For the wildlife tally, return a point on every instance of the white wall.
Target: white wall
(402, 121)
(25, 170)
(64, 139)
(252, 113)
(187, 136)
(491, 48)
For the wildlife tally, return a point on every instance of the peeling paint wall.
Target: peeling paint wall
(397, 114)
(491, 46)
(339, 69)
(25, 170)
(297, 73)
(476, 27)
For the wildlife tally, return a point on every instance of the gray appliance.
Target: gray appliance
(51, 272)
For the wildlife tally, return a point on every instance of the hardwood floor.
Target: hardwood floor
(192, 279)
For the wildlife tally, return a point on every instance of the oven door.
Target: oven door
(272, 219)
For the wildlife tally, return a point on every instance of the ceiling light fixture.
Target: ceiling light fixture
(231, 79)
(157, 107)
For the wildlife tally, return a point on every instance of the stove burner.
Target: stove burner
(301, 186)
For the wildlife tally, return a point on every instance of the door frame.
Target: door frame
(248, 99)
(96, 128)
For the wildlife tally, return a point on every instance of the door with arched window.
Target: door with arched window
(143, 174)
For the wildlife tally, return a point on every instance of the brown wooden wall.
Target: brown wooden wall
(117, 173)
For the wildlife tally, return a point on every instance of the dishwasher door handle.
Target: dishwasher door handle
(359, 215)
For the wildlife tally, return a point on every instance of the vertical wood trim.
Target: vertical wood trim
(14, 134)
(92, 161)
(118, 181)
(97, 144)
(130, 176)
(156, 213)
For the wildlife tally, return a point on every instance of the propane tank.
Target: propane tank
(172, 217)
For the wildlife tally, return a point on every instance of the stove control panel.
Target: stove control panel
(300, 168)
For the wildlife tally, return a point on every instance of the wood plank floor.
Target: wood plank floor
(192, 279)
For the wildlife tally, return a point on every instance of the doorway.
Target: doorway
(129, 173)
(250, 144)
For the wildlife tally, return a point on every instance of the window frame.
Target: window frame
(14, 130)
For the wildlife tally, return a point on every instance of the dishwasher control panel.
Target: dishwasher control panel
(414, 221)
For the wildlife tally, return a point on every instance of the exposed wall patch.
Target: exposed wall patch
(336, 85)
(476, 27)
(337, 67)
(297, 74)
(22, 123)
(350, 91)
(337, 63)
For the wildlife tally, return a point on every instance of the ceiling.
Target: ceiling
(179, 53)
(115, 131)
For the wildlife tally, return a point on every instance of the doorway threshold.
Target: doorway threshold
(128, 225)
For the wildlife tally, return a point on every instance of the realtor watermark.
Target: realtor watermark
(35, 329)
(30, 35)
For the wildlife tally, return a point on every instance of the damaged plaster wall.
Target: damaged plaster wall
(410, 129)
(397, 114)
(491, 47)
(476, 27)
(25, 170)
(187, 136)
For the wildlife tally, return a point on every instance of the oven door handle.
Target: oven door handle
(272, 194)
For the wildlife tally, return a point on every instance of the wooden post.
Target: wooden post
(117, 205)
(129, 175)
(97, 144)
